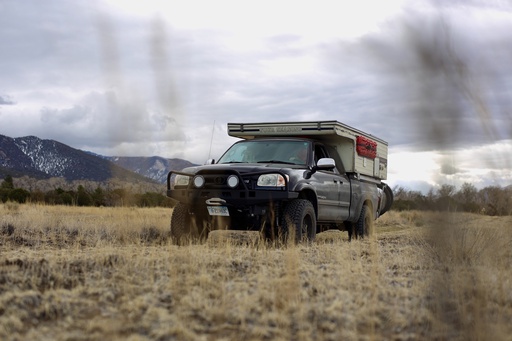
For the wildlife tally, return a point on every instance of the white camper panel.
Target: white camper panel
(360, 152)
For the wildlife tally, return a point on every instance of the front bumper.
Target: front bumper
(234, 198)
(243, 196)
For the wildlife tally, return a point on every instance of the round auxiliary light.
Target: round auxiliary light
(233, 181)
(198, 181)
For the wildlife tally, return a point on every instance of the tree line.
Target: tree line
(82, 196)
(492, 200)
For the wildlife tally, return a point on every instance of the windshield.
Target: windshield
(268, 151)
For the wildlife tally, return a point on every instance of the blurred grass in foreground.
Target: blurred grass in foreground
(97, 273)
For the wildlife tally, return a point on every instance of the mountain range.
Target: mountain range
(42, 159)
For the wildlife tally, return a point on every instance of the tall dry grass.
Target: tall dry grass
(99, 273)
(67, 226)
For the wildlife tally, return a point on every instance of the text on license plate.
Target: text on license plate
(218, 210)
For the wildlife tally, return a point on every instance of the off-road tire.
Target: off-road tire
(184, 228)
(389, 199)
(299, 222)
(364, 225)
(189, 228)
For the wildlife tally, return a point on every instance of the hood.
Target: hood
(242, 167)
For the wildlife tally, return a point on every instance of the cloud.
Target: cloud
(440, 80)
(449, 169)
(132, 79)
(64, 116)
(115, 121)
(484, 165)
(50, 44)
(6, 100)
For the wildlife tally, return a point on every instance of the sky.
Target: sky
(145, 78)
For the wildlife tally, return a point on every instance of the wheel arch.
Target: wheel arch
(310, 195)
(356, 211)
(368, 202)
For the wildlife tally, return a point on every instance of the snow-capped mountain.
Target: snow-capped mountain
(40, 158)
(153, 167)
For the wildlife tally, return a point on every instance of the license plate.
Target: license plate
(218, 210)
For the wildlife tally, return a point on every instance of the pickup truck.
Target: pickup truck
(288, 180)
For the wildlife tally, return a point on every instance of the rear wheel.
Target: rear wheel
(389, 199)
(299, 222)
(364, 225)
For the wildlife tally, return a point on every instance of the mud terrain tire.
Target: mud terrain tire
(299, 222)
(364, 225)
(184, 227)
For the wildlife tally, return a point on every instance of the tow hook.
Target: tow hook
(215, 202)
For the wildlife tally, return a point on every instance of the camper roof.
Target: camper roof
(300, 129)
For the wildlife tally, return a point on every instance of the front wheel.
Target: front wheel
(184, 227)
(299, 222)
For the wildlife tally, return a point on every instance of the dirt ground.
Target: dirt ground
(69, 273)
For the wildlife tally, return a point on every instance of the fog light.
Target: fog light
(233, 181)
(198, 181)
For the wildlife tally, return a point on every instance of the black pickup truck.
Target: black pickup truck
(286, 186)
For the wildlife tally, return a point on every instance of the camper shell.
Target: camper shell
(360, 153)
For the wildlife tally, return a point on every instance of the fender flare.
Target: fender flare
(306, 191)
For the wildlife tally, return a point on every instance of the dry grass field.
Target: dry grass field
(69, 273)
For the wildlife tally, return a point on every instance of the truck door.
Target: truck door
(333, 191)
(345, 193)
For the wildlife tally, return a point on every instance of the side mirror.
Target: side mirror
(325, 164)
(210, 162)
(322, 164)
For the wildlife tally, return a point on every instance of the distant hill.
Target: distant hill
(43, 159)
(153, 167)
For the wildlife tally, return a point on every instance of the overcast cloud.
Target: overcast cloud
(159, 78)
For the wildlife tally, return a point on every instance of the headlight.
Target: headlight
(181, 180)
(271, 180)
(198, 181)
(233, 181)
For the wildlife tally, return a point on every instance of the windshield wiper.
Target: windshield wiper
(233, 162)
(277, 161)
